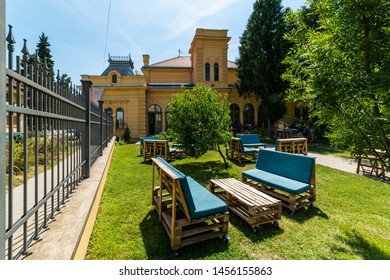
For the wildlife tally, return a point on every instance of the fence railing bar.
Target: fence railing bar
(32, 112)
(31, 212)
(12, 74)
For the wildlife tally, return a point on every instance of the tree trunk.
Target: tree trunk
(224, 159)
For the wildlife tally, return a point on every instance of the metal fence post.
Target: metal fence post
(86, 86)
(101, 127)
(2, 129)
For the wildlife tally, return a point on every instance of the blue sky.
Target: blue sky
(77, 28)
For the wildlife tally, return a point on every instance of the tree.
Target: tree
(341, 69)
(44, 52)
(200, 120)
(261, 52)
(126, 135)
(66, 80)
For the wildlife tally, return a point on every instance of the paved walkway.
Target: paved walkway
(67, 236)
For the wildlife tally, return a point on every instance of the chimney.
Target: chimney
(146, 59)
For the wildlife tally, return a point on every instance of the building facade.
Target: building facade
(141, 102)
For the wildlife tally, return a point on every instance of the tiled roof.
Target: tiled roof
(232, 64)
(182, 62)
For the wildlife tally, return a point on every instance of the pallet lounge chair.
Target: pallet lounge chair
(288, 177)
(188, 211)
(141, 147)
(251, 140)
(237, 151)
(155, 148)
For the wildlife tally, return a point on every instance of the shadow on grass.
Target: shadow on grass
(157, 243)
(360, 246)
(204, 171)
(304, 214)
(258, 233)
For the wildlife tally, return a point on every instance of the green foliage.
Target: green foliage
(126, 135)
(44, 53)
(199, 119)
(340, 68)
(262, 50)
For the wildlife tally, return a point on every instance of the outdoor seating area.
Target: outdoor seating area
(188, 212)
(149, 228)
(288, 177)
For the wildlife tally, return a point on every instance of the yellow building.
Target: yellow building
(141, 101)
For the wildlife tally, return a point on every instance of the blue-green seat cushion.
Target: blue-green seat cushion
(204, 202)
(296, 167)
(148, 138)
(172, 150)
(251, 140)
(277, 181)
(200, 201)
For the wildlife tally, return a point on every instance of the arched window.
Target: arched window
(249, 116)
(207, 72)
(120, 120)
(235, 116)
(154, 119)
(114, 79)
(216, 72)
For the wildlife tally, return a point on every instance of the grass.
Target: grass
(350, 219)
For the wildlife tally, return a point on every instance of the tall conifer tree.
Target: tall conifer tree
(261, 52)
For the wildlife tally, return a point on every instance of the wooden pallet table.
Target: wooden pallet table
(254, 206)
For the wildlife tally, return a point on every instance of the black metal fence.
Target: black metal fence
(53, 134)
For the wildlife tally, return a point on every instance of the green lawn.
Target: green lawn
(350, 219)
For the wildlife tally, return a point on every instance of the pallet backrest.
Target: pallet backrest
(249, 138)
(183, 194)
(296, 167)
(148, 138)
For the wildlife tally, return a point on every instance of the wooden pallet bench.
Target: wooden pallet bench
(188, 211)
(285, 176)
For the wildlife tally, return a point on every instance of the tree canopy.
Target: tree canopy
(43, 52)
(261, 52)
(340, 68)
(200, 119)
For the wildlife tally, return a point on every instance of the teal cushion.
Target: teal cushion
(276, 181)
(199, 200)
(292, 166)
(251, 140)
(148, 138)
(205, 203)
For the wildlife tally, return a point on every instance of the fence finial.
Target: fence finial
(10, 37)
(25, 49)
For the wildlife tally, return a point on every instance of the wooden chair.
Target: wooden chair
(141, 147)
(155, 148)
(188, 211)
(236, 150)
